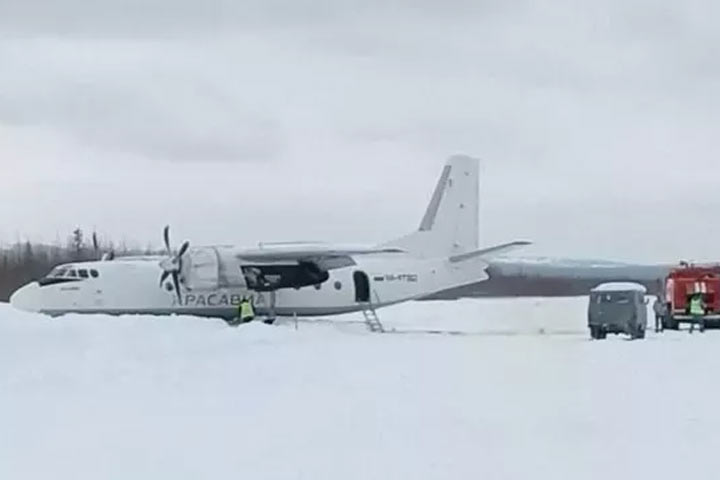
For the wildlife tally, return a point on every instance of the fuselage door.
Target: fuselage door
(362, 286)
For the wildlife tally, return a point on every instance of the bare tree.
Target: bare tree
(78, 242)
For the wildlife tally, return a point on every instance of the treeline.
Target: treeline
(26, 261)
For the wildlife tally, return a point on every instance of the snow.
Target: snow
(525, 395)
(620, 287)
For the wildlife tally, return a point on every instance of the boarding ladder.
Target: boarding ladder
(371, 318)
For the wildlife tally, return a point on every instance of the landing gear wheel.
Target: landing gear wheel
(271, 317)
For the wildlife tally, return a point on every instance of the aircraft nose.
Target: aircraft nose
(25, 298)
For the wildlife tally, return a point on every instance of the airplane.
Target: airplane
(285, 279)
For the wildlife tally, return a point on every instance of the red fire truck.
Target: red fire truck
(681, 284)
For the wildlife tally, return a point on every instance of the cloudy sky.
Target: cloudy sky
(239, 121)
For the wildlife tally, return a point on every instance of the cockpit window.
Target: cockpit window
(83, 274)
(94, 273)
(57, 272)
(62, 275)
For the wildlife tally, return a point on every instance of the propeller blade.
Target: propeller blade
(183, 249)
(176, 283)
(96, 245)
(164, 277)
(166, 238)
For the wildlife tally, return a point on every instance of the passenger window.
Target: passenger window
(83, 274)
(94, 273)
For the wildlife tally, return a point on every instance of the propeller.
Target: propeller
(172, 265)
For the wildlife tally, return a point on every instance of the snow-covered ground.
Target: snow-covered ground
(526, 396)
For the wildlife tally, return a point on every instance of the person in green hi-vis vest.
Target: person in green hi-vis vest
(247, 311)
(697, 311)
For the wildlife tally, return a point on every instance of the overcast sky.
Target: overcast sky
(240, 121)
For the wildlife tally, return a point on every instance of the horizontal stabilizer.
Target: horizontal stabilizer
(490, 251)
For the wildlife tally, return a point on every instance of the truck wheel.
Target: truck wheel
(669, 323)
(640, 332)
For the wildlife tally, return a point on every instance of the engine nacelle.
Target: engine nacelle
(211, 268)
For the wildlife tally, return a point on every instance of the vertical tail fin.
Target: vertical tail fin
(450, 225)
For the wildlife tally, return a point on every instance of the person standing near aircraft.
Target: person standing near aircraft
(659, 310)
(247, 312)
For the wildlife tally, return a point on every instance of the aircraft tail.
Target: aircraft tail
(450, 225)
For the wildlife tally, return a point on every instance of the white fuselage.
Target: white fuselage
(130, 286)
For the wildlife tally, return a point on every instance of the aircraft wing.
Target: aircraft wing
(555, 277)
(325, 257)
(490, 251)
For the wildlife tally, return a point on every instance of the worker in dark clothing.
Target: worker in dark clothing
(659, 310)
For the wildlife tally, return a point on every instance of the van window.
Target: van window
(622, 298)
(94, 273)
(615, 297)
(83, 273)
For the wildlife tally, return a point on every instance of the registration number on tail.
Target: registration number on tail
(394, 277)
